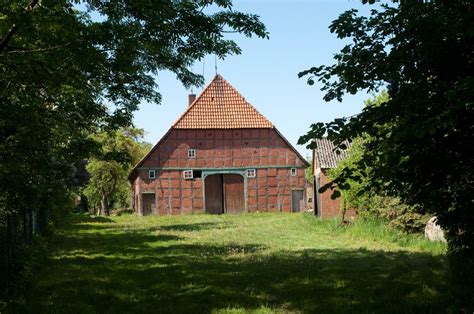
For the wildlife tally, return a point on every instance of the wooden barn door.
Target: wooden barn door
(297, 202)
(148, 203)
(234, 193)
(214, 194)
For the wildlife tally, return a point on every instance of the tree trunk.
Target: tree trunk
(104, 205)
(344, 209)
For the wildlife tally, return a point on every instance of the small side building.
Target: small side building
(324, 159)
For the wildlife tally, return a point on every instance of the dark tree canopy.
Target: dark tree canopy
(71, 67)
(422, 52)
(63, 73)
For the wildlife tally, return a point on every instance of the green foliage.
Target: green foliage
(309, 171)
(420, 138)
(356, 191)
(108, 186)
(359, 194)
(394, 213)
(410, 222)
(69, 68)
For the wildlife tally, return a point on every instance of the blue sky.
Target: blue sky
(266, 71)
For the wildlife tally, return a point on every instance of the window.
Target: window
(251, 173)
(191, 153)
(197, 174)
(187, 174)
(294, 172)
(151, 174)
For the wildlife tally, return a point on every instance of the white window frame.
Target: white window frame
(294, 172)
(191, 153)
(188, 174)
(251, 173)
(150, 172)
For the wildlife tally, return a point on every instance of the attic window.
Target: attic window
(151, 174)
(187, 174)
(251, 173)
(191, 153)
(294, 172)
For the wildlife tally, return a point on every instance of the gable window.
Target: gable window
(191, 153)
(151, 174)
(294, 172)
(251, 173)
(187, 174)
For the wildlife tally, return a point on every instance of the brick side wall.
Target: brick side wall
(237, 149)
(329, 207)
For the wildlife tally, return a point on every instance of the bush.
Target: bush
(375, 204)
(410, 222)
(395, 214)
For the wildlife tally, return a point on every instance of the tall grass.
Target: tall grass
(377, 230)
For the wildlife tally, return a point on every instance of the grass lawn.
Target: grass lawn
(235, 263)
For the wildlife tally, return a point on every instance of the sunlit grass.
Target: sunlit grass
(259, 263)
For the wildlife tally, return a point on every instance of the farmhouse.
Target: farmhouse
(220, 156)
(325, 157)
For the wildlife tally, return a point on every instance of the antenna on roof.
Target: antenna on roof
(192, 70)
(203, 67)
(215, 63)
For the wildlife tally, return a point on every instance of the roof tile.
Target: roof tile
(326, 153)
(221, 106)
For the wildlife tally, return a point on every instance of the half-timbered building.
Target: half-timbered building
(220, 156)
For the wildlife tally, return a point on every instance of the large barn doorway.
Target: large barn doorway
(224, 193)
(234, 198)
(214, 195)
(148, 203)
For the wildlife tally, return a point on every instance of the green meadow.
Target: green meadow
(261, 263)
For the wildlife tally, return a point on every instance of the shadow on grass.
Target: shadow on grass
(85, 218)
(195, 226)
(142, 273)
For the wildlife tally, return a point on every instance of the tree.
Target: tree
(69, 68)
(357, 191)
(108, 185)
(421, 137)
(371, 204)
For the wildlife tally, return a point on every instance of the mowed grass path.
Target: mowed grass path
(235, 263)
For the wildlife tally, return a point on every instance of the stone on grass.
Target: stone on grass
(433, 231)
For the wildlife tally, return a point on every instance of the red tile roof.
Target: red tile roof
(221, 106)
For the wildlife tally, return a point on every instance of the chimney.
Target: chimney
(191, 99)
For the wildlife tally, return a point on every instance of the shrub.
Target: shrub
(395, 214)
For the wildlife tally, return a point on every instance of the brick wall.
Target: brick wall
(238, 149)
(271, 189)
(222, 149)
(329, 207)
